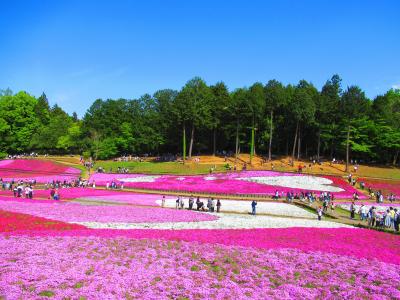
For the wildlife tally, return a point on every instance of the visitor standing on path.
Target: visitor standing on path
(191, 201)
(352, 210)
(396, 220)
(218, 206)
(163, 201)
(319, 213)
(253, 207)
(363, 212)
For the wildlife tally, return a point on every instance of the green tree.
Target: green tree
(19, 120)
(192, 106)
(238, 110)
(302, 108)
(353, 105)
(386, 111)
(218, 109)
(326, 116)
(256, 106)
(275, 97)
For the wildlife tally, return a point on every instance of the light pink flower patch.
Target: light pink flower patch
(128, 198)
(73, 212)
(5, 162)
(89, 194)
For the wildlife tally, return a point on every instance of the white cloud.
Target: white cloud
(396, 86)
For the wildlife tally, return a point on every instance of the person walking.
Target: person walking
(163, 201)
(372, 216)
(396, 220)
(218, 206)
(363, 212)
(191, 201)
(319, 213)
(253, 207)
(177, 203)
(387, 219)
(352, 210)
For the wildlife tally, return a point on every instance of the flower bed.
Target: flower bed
(238, 206)
(95, 268)
(89, 194)
(349, 242)
(33, 169)
(385, 186)
(380, 207)
(73, 212)
(251, 182)
(10, 222)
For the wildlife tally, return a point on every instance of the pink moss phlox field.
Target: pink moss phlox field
(10, 222)
(353, 242)
(121, 268)
(90, 194)
(40, 170)
(217, 183)
(136, 199)
(74, 212)
(386, 186)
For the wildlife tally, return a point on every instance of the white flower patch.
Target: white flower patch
(379, 208)
(140, 179)
(239, 206)
(180, 178)
(210, 178)
(305, 182)
(225, 221)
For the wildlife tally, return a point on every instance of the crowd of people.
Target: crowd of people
(309, 196)
(19, 188)
(23, 155)
(67, 183)
(376, 195)
(212, 204)
(114, 185)
(389, 219)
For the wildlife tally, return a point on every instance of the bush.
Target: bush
(86, 154)
(3, 155)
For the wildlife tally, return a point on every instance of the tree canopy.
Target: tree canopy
(280, 119)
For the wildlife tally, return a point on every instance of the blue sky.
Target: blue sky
(78, 51)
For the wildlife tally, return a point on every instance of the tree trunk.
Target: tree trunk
(294, 142)
(287, 145)
(319, 144)
(347, 148)
(395, 158)
(237, 140)
(214, 141)
(270, 137)
(184, 142)
(252, 142)
(299, 144)
(191, 142)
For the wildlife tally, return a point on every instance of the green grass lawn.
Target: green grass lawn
(159, 167)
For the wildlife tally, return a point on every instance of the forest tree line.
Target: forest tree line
(268, 119)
